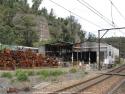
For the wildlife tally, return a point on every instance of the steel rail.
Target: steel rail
(90, 82)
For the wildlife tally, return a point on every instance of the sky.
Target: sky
(103, 6)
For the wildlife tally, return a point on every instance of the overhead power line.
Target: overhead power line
(76, 14)
(95, 11)
(98, 13)
(112, 16)
(117, 10)
(112, 4)
(111, 23)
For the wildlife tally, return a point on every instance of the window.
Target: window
(109, 53)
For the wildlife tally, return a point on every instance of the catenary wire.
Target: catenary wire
(76, 14)
(95, 11)
(99, 14)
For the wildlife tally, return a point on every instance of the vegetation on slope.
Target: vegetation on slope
(18, 24)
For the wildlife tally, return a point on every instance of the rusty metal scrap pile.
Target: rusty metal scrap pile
(24, 59)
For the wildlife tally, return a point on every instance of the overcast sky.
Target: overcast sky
(103, 6)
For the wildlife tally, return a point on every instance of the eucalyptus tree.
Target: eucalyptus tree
(36, 5)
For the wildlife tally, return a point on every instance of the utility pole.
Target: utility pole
(99, 65)
(119, 48)
(99, 39)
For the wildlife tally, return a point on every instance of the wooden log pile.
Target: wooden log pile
(6, 60)
(25, 59)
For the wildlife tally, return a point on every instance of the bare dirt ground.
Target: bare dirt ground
(36, 85)
(121, 90)
(67, 80)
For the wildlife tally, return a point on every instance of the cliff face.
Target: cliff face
(42, 25)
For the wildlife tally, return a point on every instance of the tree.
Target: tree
(7, 35)
(52, 14)
(36, 4)
(18, 24)
(82, 34)
(8, 3)
(68, 29)
(44, 12)
(8, 17)
(26, 30)
(91, 37)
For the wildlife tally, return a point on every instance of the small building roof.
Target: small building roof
(60, 43)
(92, 45)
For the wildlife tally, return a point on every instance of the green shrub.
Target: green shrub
(43, 77)
(48, 73)
(29, 73)
(73, 70)
(44, 73)
(114, 65)
(56, 73)
(21, 75)
(85, 72)
(17, 72)
(7, 75)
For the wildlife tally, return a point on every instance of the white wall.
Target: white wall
(42, 50)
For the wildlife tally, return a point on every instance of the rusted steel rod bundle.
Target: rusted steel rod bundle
(25, 59)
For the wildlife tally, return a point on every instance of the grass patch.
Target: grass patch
(85, 72)
(17, 72)
(56, 73)
(73, 70)
(48, 73)
(21, 75)
(7, 75)
(42, 73)
(30, 73)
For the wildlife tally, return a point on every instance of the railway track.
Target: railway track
(85, 85)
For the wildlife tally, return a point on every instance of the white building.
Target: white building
(88, 52)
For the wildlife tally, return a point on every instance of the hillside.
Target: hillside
(31, 26)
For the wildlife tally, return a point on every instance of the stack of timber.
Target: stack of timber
(6, 60)
(25, 59)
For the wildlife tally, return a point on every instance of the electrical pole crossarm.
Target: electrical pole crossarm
(104, 34)
(99, 39)
(112, 29)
